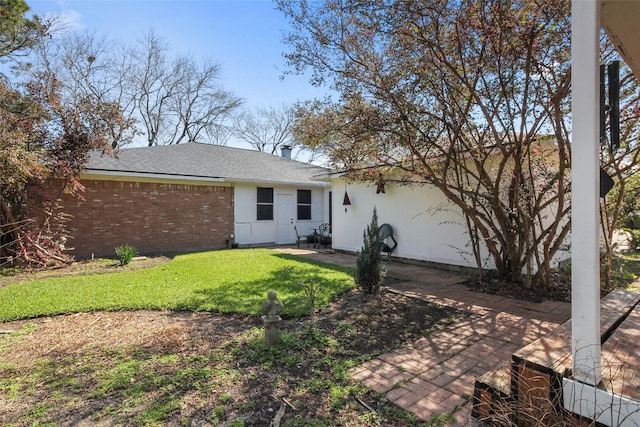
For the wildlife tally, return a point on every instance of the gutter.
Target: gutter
(149, 175)
(94, 173)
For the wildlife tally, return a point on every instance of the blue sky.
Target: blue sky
(243, 36)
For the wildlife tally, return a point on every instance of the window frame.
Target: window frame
(305, 205)
(264, 206)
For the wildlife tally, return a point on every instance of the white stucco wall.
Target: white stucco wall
(426, 226)
(250, 231)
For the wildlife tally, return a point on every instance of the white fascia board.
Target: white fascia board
(157, 177)
(600, 405)
(325, 177)
(280, 183)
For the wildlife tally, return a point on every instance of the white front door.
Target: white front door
(284, 219)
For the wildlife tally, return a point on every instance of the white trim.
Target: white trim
(122, 175)
(585, 175)
(600, 405)
(284, 218)
(281, 183)
(115, 175)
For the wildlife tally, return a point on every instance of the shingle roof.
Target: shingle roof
(198, 160)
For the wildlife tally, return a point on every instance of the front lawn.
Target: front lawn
(171, 368)
(228, 281)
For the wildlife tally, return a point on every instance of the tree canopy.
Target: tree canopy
(169, 100)
(270, 130)
(40, 138)
(470, 97)
(17, 34)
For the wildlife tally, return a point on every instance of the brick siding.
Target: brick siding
(155, 218)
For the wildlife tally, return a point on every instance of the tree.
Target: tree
(369, 270)
(199, 103)
(19, 165)
(170, 100)
(178, 100)
(153, 85)
(432, 92)
(219, 134)
(265, 129)
(271, 129)
(620, 207)
(41, 137)
(17, 34)
(90, 68)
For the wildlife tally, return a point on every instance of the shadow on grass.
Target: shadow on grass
(242, 296)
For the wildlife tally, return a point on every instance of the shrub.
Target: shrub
(311, 291)
(369, 270)
(635, 238)
(125, 254)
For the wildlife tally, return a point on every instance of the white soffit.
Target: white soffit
(620, 19)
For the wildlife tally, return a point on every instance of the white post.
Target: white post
(585, 235)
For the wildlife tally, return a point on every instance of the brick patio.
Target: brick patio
(436, 374)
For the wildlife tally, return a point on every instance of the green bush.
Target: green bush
(369, 270)
(10, 271)
(125, 254)
(635, 238)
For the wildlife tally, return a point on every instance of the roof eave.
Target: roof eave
(149, 175)
(274, 182)
(620, 20)
(123, 175)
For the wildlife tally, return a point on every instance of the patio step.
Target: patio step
(532, 387)
(492, 394)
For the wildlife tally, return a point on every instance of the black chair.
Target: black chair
(385, 237)
(299, 237)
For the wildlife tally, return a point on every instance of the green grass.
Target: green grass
(227, 281)
(224, 382)
(625, 270)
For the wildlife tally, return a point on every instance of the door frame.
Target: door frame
(284, 224)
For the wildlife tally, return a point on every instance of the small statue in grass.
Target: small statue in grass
(271, 309)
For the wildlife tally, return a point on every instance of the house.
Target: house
(426, 224)
(192, 197)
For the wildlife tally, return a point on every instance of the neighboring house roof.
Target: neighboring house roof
(205, 162)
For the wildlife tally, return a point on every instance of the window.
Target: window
(304, 204)
(265, 203)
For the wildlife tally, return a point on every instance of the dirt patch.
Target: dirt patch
(560, 291)
(179, 368)
(79, 268)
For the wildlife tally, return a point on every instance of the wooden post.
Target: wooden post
(585, 172)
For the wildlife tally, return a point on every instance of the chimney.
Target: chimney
(286, 151)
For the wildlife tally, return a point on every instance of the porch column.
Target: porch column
(585, 260)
